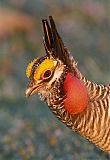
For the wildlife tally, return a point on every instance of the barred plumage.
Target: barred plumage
(90, 118)
(94, 122)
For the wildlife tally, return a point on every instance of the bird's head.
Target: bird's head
(44, 72)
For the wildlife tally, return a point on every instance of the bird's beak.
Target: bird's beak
(31, 90)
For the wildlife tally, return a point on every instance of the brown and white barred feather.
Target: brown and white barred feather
(94, 122)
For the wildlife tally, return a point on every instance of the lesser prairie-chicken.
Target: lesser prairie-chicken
(82, 105)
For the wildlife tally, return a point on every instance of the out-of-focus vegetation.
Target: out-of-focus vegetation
(28, 130)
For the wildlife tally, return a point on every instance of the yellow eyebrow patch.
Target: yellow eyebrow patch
(29, 67)
(46, 64)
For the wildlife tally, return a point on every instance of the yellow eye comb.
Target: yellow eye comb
(46, 64)
(29, 67)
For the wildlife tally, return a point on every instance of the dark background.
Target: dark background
(28, 130)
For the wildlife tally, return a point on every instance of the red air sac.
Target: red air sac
(76, 94)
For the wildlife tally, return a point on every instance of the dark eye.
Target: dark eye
(47, 74)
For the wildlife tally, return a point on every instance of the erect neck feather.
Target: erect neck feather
(76, 94)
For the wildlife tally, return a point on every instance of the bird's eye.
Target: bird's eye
(47, 74)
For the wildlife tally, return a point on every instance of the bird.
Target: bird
(81, 104)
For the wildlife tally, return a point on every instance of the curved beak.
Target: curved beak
(30, 91)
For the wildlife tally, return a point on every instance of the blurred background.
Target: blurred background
(28, 130)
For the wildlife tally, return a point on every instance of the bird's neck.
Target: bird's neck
(88, 123)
